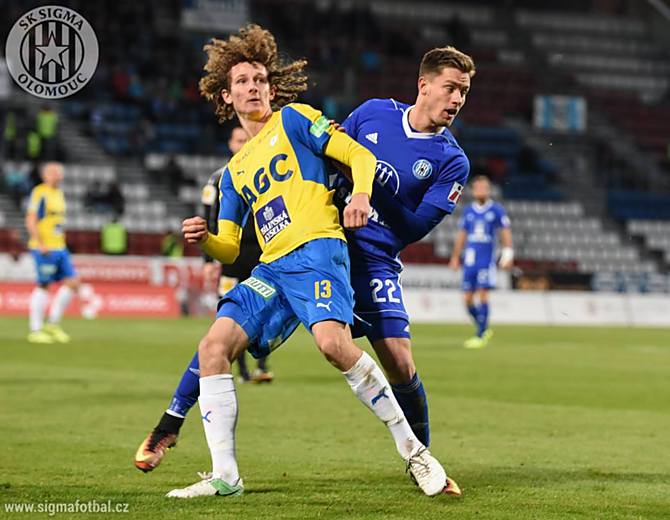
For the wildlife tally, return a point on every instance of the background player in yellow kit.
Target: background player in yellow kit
(44, 220)
(280, 178)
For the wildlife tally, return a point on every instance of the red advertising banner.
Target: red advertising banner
(96, 270)
(102, 299)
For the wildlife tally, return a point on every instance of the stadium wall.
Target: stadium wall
(164, 287)
(544, 308)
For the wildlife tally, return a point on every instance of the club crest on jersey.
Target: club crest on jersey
(272, 218)
(422, 169)
(455, 193)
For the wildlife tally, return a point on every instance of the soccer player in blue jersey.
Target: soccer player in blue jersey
(280, 178)
(420, 175)
(44, 221)
(474, 248)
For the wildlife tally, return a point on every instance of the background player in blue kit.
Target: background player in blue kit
(474, 247)
(420, 174)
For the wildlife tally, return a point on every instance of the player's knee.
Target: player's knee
(330, 346)
(405, 371)
(401, 369)
(72, 283)
(213, 351)
(339, 351)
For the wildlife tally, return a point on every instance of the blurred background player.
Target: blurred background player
(227, 276)
(44, 221)
(164, 436)
(474, 248)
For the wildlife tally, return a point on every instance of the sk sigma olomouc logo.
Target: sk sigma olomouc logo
(52, 52)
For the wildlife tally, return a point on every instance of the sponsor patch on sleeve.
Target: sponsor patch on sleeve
(319, 126)
(208, 195)
(272, 218)
(455, 193)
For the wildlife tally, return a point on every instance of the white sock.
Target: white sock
(39, 299)
(218, 409)
(370, 385)
(61, 301)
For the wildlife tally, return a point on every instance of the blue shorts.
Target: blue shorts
(52, 266)
(308, 285)
(477, 277)
(378, 297)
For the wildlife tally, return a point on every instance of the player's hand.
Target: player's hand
(357, 211)
(337, 126)
(455, 263)
(506, 265)
(194, 230)
(43, 250)
(210, 272)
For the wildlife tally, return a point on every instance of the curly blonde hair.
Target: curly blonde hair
(253, 44)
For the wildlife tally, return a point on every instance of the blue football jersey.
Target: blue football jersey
(481, 223)
(413, 167)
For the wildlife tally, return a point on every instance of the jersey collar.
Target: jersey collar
(481, 208)
(413, 134)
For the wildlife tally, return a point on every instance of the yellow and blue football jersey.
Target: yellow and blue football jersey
(281, 177)
(49, 205)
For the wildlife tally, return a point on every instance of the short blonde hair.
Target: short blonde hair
(442, 57)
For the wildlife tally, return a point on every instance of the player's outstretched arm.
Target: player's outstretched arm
(362, 162)
(507, 253)
(459, 242)
(224, 246)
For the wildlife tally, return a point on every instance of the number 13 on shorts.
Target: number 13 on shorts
(322, 289)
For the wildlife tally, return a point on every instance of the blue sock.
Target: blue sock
(412, 399)
(482, 318)
(473, 310)
(188, 390)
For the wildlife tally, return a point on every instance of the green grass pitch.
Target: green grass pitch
(545, 423)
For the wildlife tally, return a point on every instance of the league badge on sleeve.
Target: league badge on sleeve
(208, 195)
(455, 193)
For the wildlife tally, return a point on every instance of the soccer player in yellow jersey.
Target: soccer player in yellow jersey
(279, 179)
(44, 221)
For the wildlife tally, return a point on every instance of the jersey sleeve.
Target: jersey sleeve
(37, 203)
(449, 185)
(353, 121)
(307, 126)
(231, 204)
(461, 221)
(503, 219)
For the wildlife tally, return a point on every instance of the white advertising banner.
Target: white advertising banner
(650, 310)
(585, 308)
(543, 308)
